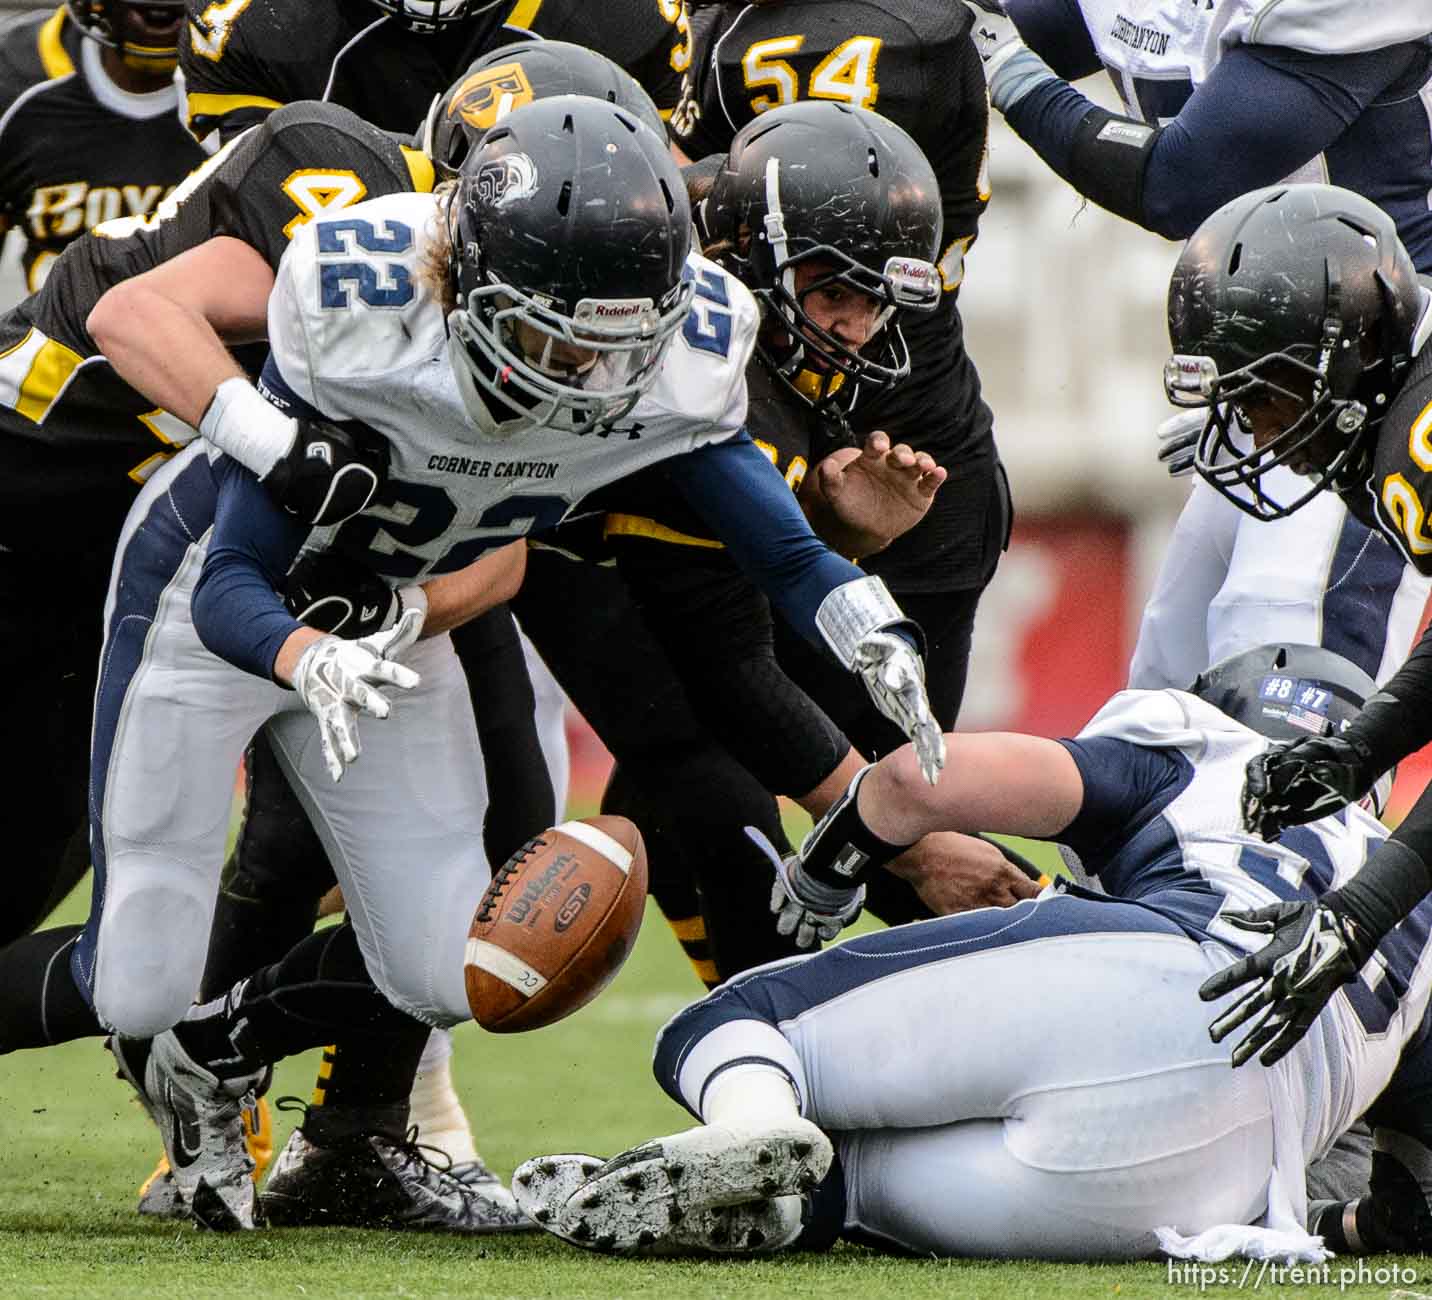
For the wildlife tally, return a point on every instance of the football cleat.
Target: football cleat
(159, 1196)
(544, 1184)
(712, 1189)
(200, 1118)
(372, 1180)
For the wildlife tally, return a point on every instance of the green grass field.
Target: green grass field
(74, 1146)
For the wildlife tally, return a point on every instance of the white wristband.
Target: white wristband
(413, 597)
(243, 424)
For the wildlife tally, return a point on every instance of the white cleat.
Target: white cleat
(713, 1189)
(200, 1118)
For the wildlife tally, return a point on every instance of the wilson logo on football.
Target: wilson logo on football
(572, 907)
(506, 180)
(491, 94)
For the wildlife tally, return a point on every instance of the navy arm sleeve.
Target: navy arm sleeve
(237, 610)
(1056, 31)
(745, 502)
(1126, 786)
(1263, 112)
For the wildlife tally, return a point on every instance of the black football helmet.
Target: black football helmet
(1287, 692)
(569, 230)
(518, 74)
(1301, 297)
(108, 22)
(819, 181)
(434, 15)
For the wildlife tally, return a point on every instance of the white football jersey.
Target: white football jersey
(1200, 829)
(356, 334)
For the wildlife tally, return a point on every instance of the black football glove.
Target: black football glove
(1303, 781)
(1313, 950)
(326, 476)
(333, 593)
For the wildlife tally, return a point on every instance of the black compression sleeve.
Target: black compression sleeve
(1397, 721)
(1395, 878)
(1108, 161)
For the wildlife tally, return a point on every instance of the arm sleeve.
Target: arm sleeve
(1262, 114)
(1125, 787)
(746, 503)
(1056, 31)
(237, 610)
(1397, 721)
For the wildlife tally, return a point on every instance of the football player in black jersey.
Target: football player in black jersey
(76, 443)
(854, 202)
(912, 61)
(88, 120)
(386, 59)
(1295, 313)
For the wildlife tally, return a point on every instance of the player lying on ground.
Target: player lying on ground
(407, 304)
(869, 1092)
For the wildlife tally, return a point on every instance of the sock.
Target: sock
(319, 993)
(753, 1094)
(435, 1106)
(41, 1003)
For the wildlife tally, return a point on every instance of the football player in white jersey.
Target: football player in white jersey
(1221, 98)
(1095, 1120)
(509, 346)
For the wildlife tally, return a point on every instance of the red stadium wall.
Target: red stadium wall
(1053, 643)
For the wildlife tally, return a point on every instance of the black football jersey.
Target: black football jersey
(75, 150)
(243, 58)
(913, 61)
(1400, 490)
(75, 441)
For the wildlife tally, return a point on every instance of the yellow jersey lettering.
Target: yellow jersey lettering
(1400, 500)
(316, 193)
(762, 66)
(57, 211)
(847, 73)
(1419, 441)
(209, 34)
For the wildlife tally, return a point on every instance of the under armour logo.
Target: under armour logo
(368, 612)
(320, 451)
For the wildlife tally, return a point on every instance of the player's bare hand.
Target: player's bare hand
(957, 873)
(874, 493)
(338, 679)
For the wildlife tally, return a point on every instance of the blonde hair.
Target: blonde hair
(435, 260)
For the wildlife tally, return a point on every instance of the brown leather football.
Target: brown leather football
(556, 923)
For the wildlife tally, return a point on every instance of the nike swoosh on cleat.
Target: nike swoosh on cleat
(188, 1145)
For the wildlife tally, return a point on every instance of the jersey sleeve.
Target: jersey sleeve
(1328, 26)
(1126, 786)
(1057, 32)
(305, 162)
(294, 350)
(1262, 113)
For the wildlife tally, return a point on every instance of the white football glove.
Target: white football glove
(804, 907)
(994, 34)
(1178, 441)
(895, 678)
(332, 678)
